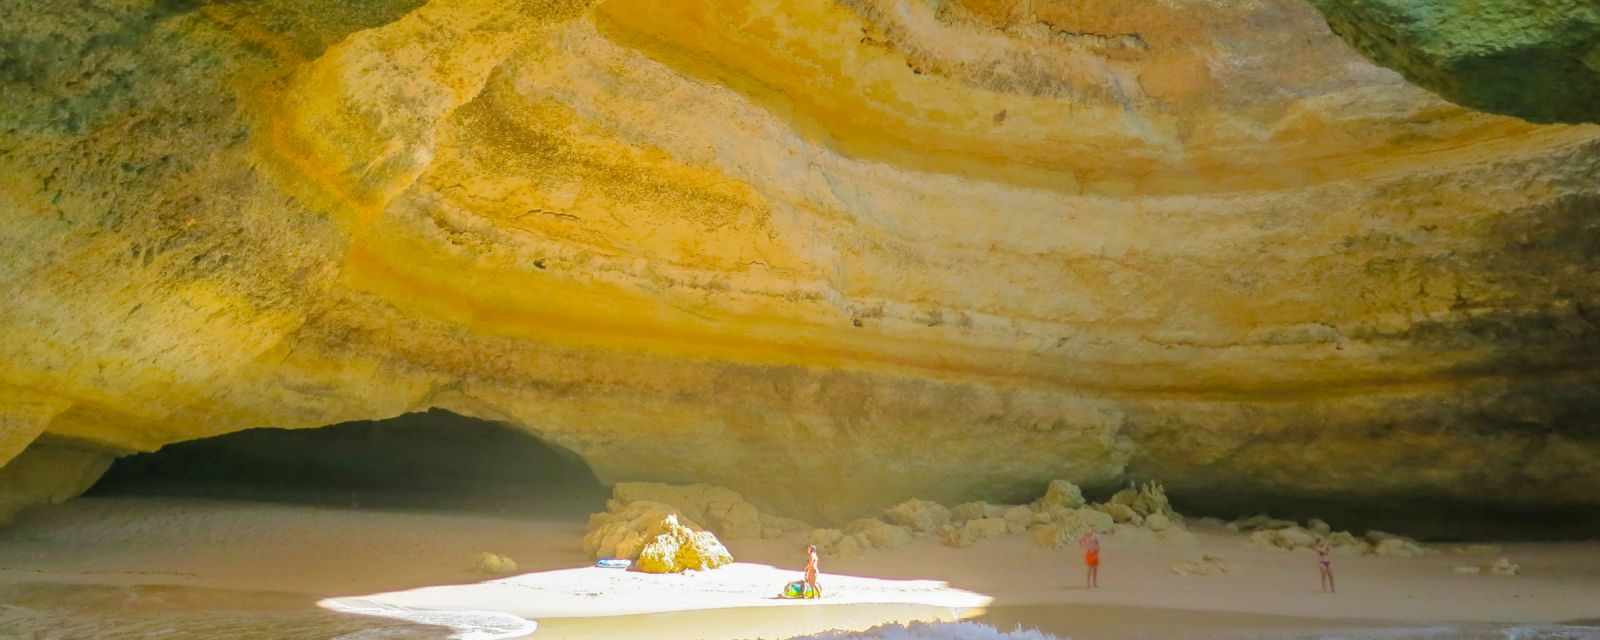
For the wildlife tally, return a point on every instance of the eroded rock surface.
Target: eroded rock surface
(831, 255)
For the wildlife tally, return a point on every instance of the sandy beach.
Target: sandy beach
(339, 560)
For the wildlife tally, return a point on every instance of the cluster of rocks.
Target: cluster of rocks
(1207, 565)
(1502, 566)
(1289, 535)
(1056, 519)
(494, 564)
(674, 528)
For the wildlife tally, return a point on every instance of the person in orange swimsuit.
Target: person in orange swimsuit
(1091, 559)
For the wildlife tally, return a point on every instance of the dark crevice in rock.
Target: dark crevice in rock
(435, 460)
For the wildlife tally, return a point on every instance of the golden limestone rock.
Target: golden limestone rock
(678, 548)
(829, 255)
(655, 537)
(494, 564)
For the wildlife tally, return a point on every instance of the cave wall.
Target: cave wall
(950, 250)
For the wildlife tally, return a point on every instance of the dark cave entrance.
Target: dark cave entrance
(434, 460)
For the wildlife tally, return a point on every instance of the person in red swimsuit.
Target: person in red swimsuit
(1091, 559)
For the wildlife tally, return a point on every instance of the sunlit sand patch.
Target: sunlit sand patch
(737, 600)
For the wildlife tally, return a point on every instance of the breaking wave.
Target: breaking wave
(467, 625)
(932, 631)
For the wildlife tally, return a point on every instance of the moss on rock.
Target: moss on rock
(1535, 60)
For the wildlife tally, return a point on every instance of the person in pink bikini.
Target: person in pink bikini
(1326, 563)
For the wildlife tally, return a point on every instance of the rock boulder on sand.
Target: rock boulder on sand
(1121, 513)
(973, 531)
(1146, 499)
(1345, 543)
(623, 529)
(1207, 565)
(494, 564)
(721, 510)
(1061, 493)
(1065, 526)
(1290, 538)
(678, 548)
(1503, 566)
(921, 516)
(1388, 544)
(1259, 522)
(969, 511)
(880, 534)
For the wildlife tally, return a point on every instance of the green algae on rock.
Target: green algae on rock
(1534, 60)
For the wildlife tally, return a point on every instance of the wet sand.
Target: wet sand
(124, 549)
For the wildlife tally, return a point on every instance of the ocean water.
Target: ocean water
(49, 611)
(978, 631)
(61, 611)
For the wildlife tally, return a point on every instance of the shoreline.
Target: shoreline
(422, 561)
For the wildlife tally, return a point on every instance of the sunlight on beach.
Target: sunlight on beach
(737, 601)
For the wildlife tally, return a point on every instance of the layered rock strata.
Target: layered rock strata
(829, 254)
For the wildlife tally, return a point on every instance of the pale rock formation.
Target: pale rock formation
(836, 543)
(494, 564)
(1207, 565)
(1319, 526)
(1389, 544)
(972, 511)
(678, 548)
(773, 527)
(1121, 513)
(973, 531)
(866, 252)
(1065, 526)
(1145, 500)
(1476, 549)
(1061, 493)
(921, 516)
(1346, 543)
(1503, 566)
(623, 530)
(721, 510)
(48, 473)
(1017, 518)
(1259, 522)
(877, 534)
(1398, 548)
(1289, 538)
(1157, 522)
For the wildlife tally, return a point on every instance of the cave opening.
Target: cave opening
(434, 460)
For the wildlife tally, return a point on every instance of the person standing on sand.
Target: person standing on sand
(1091, 559)
(811, 571)
(1323, 561)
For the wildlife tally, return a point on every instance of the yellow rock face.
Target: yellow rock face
(830, 254)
